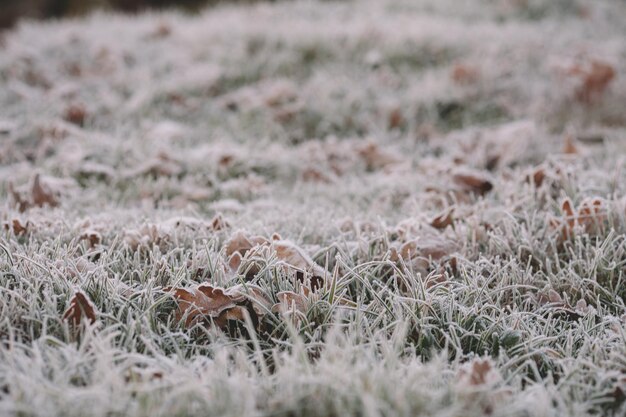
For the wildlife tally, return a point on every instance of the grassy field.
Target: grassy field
(368, 208)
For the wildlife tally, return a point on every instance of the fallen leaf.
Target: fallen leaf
(589, 217)
(443, 220)
(595, 79)
(294, 256)
(93, 237)
(396, 119)
(479, 371)
(41, 194)
(569, 148)
(464, 74)
(80, 306)
(238, 245)
(219, 305)
(18, 227)
(76, 114)
(219, 223)
(289, 301)
(374, 157)
(196, 304)
(473, 182)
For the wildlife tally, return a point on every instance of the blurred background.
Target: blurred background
(12, 10)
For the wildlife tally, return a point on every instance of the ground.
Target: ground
(373, 208)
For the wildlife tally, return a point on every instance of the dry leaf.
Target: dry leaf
(443, 220)
(374, 157)
(464, 74)
(80, 306)
(294, 256)
(76, 114)
(569, 148)
(289, 301)
(196, 304)
(219, 223)
(41, 194)
(590, 216)
(595, 79)
(396, 119)
(146, 236)
(18, 227)
(312, 174)
(204, 302)
(473, 182)
(478, 372)
(537, 176)
(238, 245)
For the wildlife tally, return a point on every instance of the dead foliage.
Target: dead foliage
(41, 193)
(18, 227)
(594, 78)
(80, 308)
(208, 304)
(473, 182)
(589, 217)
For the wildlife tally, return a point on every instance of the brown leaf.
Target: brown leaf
(18, 227)
(294, 256)
(289, 301)
(537, 176)
(20, 203)
(260, 303)
(312, 174)
(443, 220)
(374, 157)
(595, 80)
(206, 302)
(396, 119)
(219, 223)
(196, 304)
(92, 237)
(238, 245)
(41, 194)
(569, 148)
(477, 373)
(76, 114)
(464, 74)
(473, 182)
(589, 217)
(80, 306)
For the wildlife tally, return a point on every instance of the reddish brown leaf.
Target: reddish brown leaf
(443, 220)
(595, 80)
(396, 119)
(374, 157)
(198, 303)
(569, 148)
(219, 223)
(76, 113)
(473, 182)
(80, 306)
(41, 195)
(464, 74)
(18, 227)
